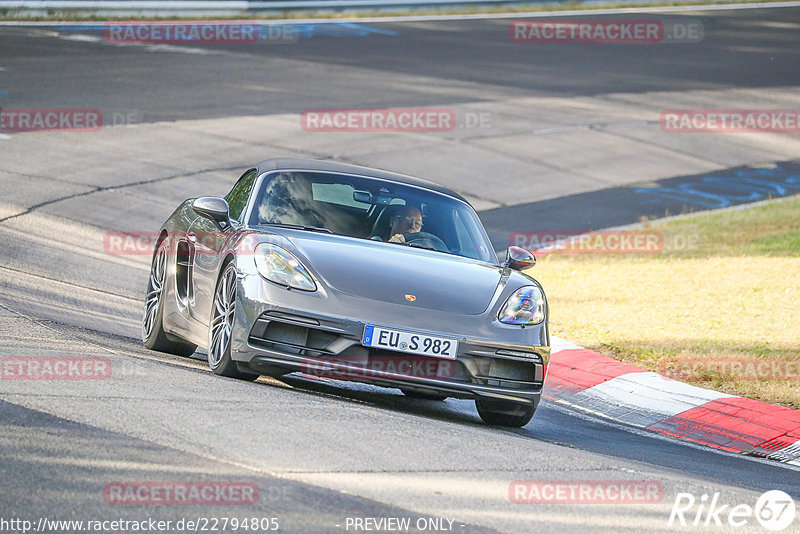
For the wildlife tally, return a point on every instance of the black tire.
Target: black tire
(502, 413)
(153, 335)
(221, 324)
(421, 395)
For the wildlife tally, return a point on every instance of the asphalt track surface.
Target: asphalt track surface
(319, 451)
(469, 60)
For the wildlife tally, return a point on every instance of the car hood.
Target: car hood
(400, 274)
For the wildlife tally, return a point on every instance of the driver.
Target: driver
(407, 221)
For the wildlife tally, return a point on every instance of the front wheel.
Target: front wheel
(153, 334)
(220, 327)
(504, 413)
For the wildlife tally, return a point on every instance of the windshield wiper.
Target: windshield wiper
(300, 227)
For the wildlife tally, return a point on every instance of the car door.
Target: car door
(209, 242)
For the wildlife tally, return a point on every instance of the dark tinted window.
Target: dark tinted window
(237, 198)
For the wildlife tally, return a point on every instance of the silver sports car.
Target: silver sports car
(350, 273)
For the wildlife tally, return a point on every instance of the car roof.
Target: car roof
(303, 164)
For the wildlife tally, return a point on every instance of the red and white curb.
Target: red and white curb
(588, 381)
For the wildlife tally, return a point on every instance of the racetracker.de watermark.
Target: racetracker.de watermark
(55, 368)
(144, 243)
(382, 367)
(605, 31)
(586, 492)
(49, 119)
(543, 242)
(379, 120)
(200, 32)
(601, 242)
(181, 493)
(730, 120)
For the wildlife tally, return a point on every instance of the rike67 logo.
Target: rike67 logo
(774, 510)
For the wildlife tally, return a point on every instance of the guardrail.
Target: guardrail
(189, 8)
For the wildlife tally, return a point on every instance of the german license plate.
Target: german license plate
(410, 342)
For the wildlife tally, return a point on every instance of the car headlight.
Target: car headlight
(524, 307)
(278, 265)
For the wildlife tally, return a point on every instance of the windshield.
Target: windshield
(368, 208)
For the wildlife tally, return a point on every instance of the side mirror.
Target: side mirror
(518, 258)
(213, 208)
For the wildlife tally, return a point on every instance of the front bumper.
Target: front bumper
(288, 336)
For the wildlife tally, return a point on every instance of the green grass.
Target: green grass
(771, 230)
